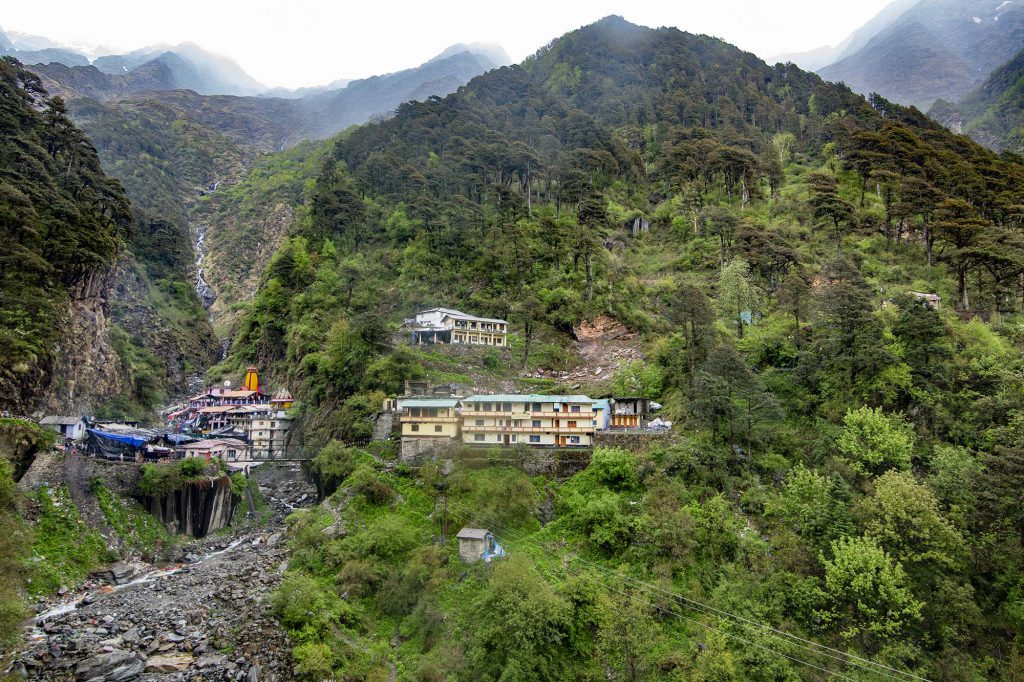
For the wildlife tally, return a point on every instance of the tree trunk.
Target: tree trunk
(961, 283)
(929, 240)
(590, 276)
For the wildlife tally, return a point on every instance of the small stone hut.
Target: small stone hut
(473, 542)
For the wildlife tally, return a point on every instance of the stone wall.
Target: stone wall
(419, 450)
(632, 440)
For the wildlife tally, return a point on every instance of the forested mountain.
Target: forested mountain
(846, 462)
(994, 113)
(938, 49)
(64, 224)
(827, 303)
(169, 147)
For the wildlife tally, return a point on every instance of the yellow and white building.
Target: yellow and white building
(536, 420)
(429, 417)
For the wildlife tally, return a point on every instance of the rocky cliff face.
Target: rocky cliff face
(239, 249)
(86, 368)
(183, 349)
(200, 508)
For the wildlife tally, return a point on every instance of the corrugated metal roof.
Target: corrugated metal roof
(458, 313)
(217, 409)
(53, 420)
(428, 402)
(472, 534)
(527, 398)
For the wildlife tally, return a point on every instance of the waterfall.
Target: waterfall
(203, 288)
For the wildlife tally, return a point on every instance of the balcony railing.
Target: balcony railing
(529, 414)
(408, 419)
(494, 428)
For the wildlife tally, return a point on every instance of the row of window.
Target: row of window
(484, 326)
(485, 340)
(428, 412)
(482, 438)
(438, 428)
(534, 423)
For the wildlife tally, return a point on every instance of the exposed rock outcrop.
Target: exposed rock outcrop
(198, 509)
(87, 368)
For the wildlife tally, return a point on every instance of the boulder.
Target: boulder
(117, 665)
(207, 660)
(168, 663)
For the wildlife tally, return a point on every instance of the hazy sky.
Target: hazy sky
(295, 43)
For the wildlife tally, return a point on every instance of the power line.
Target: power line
(672, 612)
(864, 664)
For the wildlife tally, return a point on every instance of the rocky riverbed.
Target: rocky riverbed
(206, 618)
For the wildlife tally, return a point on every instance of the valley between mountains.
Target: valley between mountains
(638, 359)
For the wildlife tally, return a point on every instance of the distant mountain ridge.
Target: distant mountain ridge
(820, 57)
(937, 49)
(269, 122)
(193, 68)
(994, 113)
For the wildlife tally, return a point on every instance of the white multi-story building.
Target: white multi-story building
(444, 325)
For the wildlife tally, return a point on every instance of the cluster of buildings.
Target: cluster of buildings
(235, 425)
(436, 417)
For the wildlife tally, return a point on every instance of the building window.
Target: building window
(506, 407)
(486, 407)
(536, 407)
(574, 439)
(534, 439)
(479, 422)
(574, 408)
(415, 427)
(513, 438)
(478, 436)
(437, 428)
(536, 423)
(571, 424)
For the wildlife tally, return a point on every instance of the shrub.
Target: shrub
(874, 442)
(192, 467)
(614, 467)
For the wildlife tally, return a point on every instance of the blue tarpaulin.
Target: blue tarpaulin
(134, 441)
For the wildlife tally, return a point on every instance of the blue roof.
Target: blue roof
(134, 441)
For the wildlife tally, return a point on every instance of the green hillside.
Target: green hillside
(844, 466)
